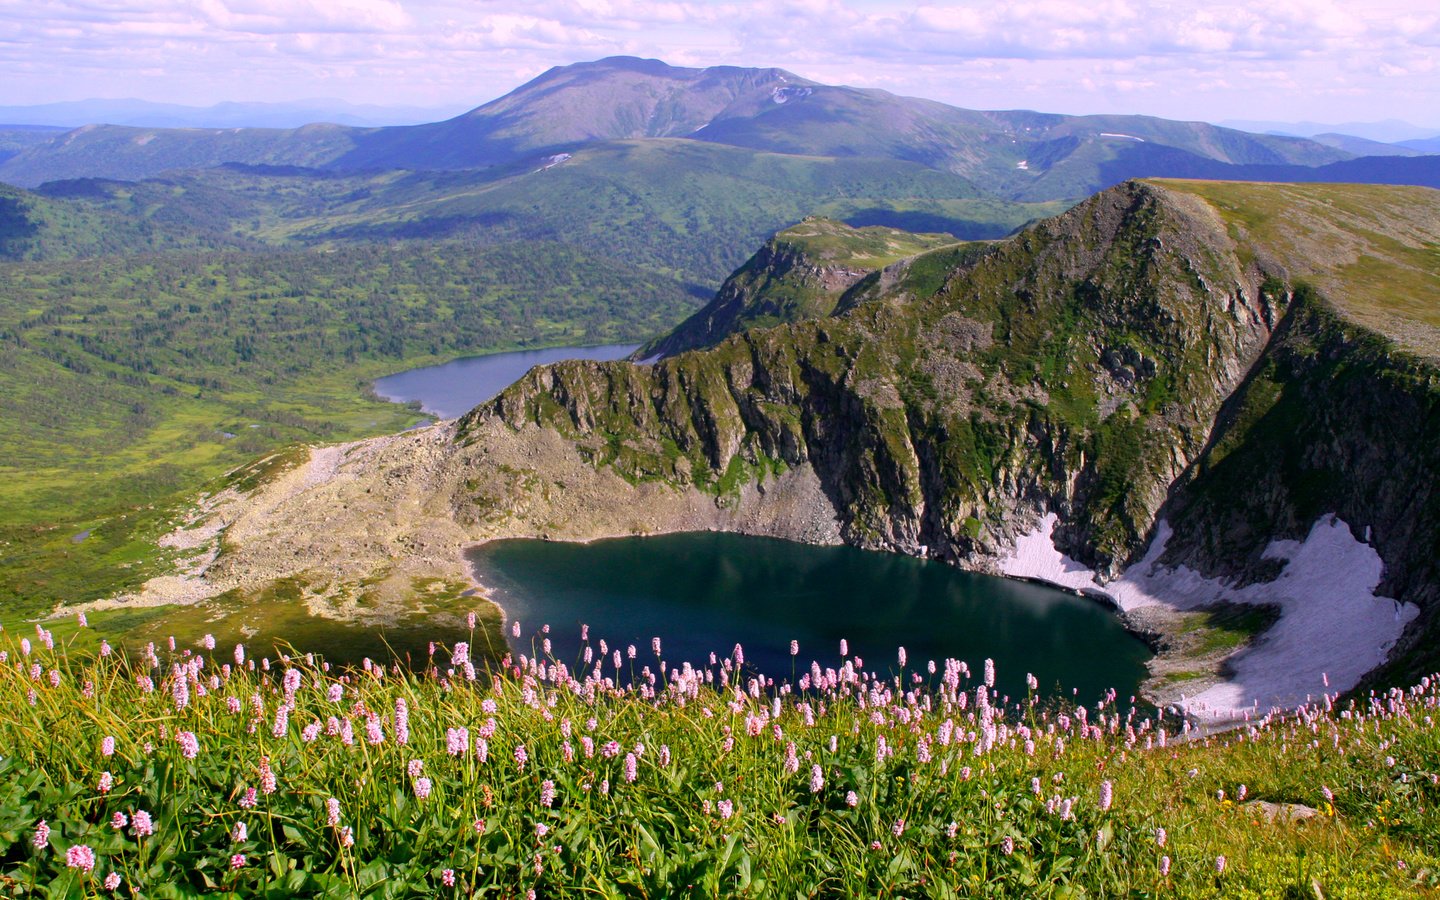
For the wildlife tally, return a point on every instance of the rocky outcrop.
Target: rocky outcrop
(800, 273)
(1077, 367)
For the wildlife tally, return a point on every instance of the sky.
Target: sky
(1283, 60)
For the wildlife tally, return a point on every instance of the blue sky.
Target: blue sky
(1275, 59)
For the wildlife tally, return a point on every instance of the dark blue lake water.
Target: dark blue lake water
(705, 592)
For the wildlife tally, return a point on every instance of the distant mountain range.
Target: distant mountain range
(1390, 131)
(1013, 155)
(147, 114)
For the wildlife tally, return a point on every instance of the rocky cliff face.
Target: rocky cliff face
(1077, 367)
(1332, 420)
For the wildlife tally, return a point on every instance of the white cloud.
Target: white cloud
(1282, 58)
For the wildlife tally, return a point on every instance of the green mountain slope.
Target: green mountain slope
(680, 206)
(800, 273)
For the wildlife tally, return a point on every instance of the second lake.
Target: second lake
(456, 387)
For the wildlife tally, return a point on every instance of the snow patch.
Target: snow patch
(1127, 137)
(1332, 623)
(1023, 164)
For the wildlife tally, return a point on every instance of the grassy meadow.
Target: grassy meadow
(202, 770)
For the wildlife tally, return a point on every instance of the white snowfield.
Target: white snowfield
(1332, 623)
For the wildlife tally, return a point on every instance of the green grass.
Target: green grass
(1373, 250)
(1226, 627)
(886, 785)
(129, 382)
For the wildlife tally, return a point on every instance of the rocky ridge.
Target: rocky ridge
(802, 272)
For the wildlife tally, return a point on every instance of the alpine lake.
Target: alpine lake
(705, 593)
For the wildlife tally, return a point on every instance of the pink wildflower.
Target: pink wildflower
(547, 793)
(631, 768)
(457, 741)
(1107, 795)
(402, 721)
(119, 820)
(189, 745)
(107, 746)
(332, 812)
(237, 861)
(107, 781)
(41, 840)
(248, 801)
(81, 857)
(142, 825)
(817, 779)
(112, 881)
(422, 788)
(447, 877)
